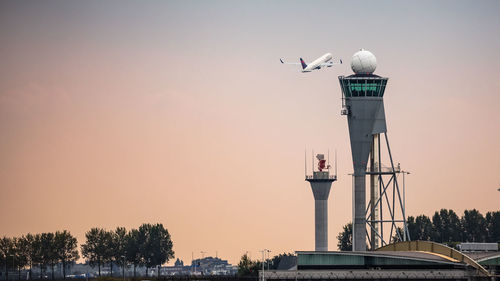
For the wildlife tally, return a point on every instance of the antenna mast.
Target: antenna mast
(305, 162)
(335, 162)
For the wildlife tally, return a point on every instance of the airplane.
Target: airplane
(323, 61)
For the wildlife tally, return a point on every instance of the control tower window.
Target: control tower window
(363, 87)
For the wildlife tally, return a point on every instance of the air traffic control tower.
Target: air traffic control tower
(363, 104)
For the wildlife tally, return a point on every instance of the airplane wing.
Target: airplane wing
(329, 63)
(284, 62)
(326, 64)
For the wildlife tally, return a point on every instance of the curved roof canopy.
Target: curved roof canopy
(436, 249)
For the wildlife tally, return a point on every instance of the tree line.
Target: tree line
(248, 267)
(43, 250)
(444, 227)
(150, 245)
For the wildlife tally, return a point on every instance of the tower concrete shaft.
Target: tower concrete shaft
(321, 183)
(366, 118)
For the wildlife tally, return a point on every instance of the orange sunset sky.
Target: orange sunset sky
(117, 113)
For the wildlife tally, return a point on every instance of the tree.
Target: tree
(398, 235)
(21, 254)
(37, 255)
(412, 227)
(95, 249)
(119, 245)
(143, 233)
(156, 246)
(28, 249)
(493, 226)
(438, 227)
(276, 260)
(133, 249)
(420, 228)
(345, 238)
(474, 226)
(447, 226)
(6, 251)
(109, 253)
(453, 228)
(66, 248)
(47, 251)
(248, 267)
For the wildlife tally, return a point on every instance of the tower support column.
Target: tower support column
(359, 205)
(321, 224)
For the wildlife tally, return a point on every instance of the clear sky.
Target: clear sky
(117, 113)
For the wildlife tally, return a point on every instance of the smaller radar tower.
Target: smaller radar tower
(321, 181)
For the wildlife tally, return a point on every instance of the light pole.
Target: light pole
(263, 254)
(267, 260)
(123, 267)
(193, 262)
(264, 262)
(404, 201)
(404, 196)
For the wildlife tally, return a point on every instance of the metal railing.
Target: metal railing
(384, 169)
(330, 177)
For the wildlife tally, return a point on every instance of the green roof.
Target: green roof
(317, 260)
(494, 260)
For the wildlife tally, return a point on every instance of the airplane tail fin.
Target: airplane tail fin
(304, 65)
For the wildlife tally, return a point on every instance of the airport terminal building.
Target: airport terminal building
(415, 260)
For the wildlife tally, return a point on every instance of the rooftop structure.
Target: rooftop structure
(415, 260)
(478, 247)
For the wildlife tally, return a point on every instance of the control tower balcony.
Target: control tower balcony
(383, 170)
(321, 176)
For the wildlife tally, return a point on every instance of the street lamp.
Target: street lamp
(267, 260)
(404, 196)
(263, 262)
(263, 255)
(193, 265)
(404, 201)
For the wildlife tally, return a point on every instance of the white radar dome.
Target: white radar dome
(363, 62)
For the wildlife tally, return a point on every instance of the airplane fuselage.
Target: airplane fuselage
(316, 64)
